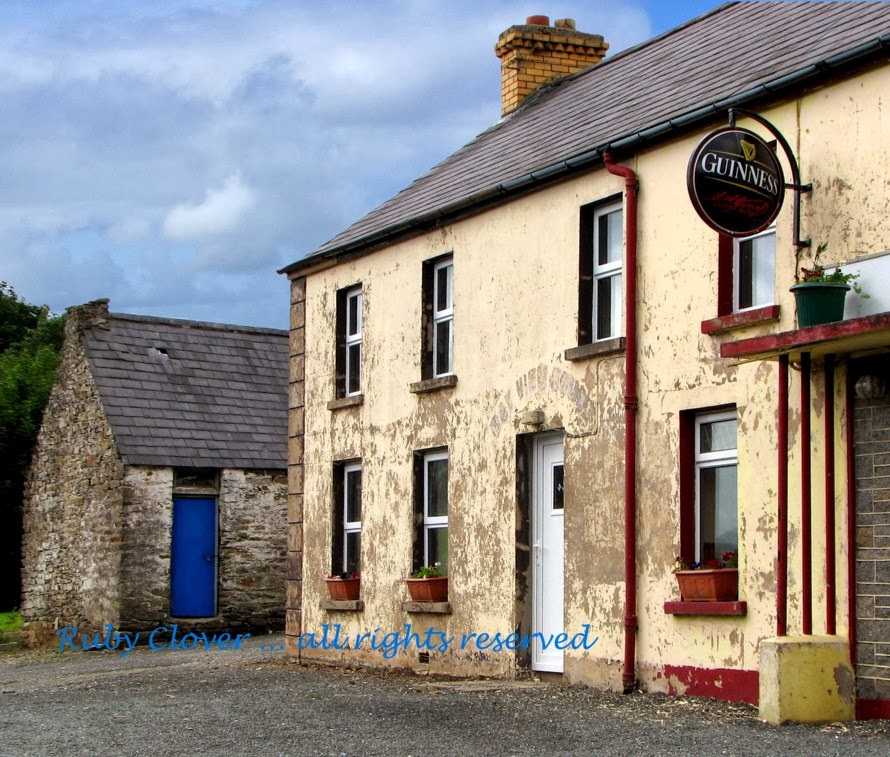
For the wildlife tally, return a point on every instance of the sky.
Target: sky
(173, 155)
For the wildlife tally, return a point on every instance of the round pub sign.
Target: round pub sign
(735, 182)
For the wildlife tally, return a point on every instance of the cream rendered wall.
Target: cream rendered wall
(515, 305)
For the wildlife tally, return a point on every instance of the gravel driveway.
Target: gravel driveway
(255, 701)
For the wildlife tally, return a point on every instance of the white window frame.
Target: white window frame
(350, 526)
(445, 315)
(737, 271)
(704, 460)
(431, 522)
(353, 303)
(604, 271)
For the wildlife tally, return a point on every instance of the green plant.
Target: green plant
(429, 571)
(818, 275)
(730, 560)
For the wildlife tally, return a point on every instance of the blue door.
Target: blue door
(193, 558)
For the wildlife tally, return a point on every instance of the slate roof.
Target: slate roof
(739, 55)
(192, 394)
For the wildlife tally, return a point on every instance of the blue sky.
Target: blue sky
(173, 155)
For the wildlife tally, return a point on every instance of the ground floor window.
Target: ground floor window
(346, 557)
(709, 484)
(431, 505)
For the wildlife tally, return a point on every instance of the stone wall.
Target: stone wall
(872, 445)
(72, 519)
(251, 572)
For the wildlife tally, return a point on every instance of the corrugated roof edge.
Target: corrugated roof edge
(184, 323)
(560, 170)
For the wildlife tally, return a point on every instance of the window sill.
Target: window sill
(343, 605)
(354, 401)
(431, 608)
(679, 607)
(595, 349)
(723, 323)
(433, 385)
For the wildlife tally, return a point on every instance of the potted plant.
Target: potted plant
(709, 580)
(428, 584)
(820, 295)
(344, 585)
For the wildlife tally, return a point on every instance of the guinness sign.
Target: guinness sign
(735, 182)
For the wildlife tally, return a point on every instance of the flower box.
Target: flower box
(819, 302)
(428, 589)
(344, 588)
(709, 584)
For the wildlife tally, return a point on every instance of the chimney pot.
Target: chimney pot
(538, 20)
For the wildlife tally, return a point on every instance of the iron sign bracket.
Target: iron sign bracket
(792, 161)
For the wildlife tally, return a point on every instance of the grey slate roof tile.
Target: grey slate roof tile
(739, 53)
(218, 399)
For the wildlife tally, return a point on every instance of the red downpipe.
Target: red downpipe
(782, 556)
(851, 517)
(806, 536)
(830, 580)
(631, 184)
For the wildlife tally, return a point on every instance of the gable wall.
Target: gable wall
(72, 519)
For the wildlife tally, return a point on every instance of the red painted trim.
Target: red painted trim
(851, 517)
(674, 607)
(873, 709)
(782, 496)
(687, 486)
(830, 573)
(806, 500)
(732, 321)
(719, 683)
(724, 276)
(790, 340)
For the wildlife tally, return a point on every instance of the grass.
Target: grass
(10, 621)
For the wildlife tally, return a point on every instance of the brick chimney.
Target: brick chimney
(536, 53)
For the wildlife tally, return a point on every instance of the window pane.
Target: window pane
(719, 511)
(558, 477)
(443, 295)
(718, 436)
(757, 271)
(353, 496)
(352, 553)
(353, 316)
(354, 369)
(604, 291)
(437, 488)
(609, 237)
(437, 547)
(443, 347)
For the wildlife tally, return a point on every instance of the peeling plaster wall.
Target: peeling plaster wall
(515, 304)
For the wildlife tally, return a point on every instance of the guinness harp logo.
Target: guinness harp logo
(735, 182)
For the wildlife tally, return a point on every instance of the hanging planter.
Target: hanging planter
(708, 584)
(344, 588)
(819, 302)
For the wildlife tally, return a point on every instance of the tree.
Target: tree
(30, 340)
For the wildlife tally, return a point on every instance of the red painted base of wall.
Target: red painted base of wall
(720, 683)
(873, 709)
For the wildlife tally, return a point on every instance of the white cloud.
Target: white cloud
(221, 211)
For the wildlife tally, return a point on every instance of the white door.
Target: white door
(547, 538)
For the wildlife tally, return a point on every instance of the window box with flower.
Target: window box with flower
(344, 586)
(428, 584)
(710, 580)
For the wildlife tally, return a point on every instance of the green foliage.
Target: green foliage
(30, 340)
(429, 571)
(818, 275)
(10, 621)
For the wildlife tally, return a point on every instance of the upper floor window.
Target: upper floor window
(754, 270)
(349, 341)
(600, 286)
(438, 317)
